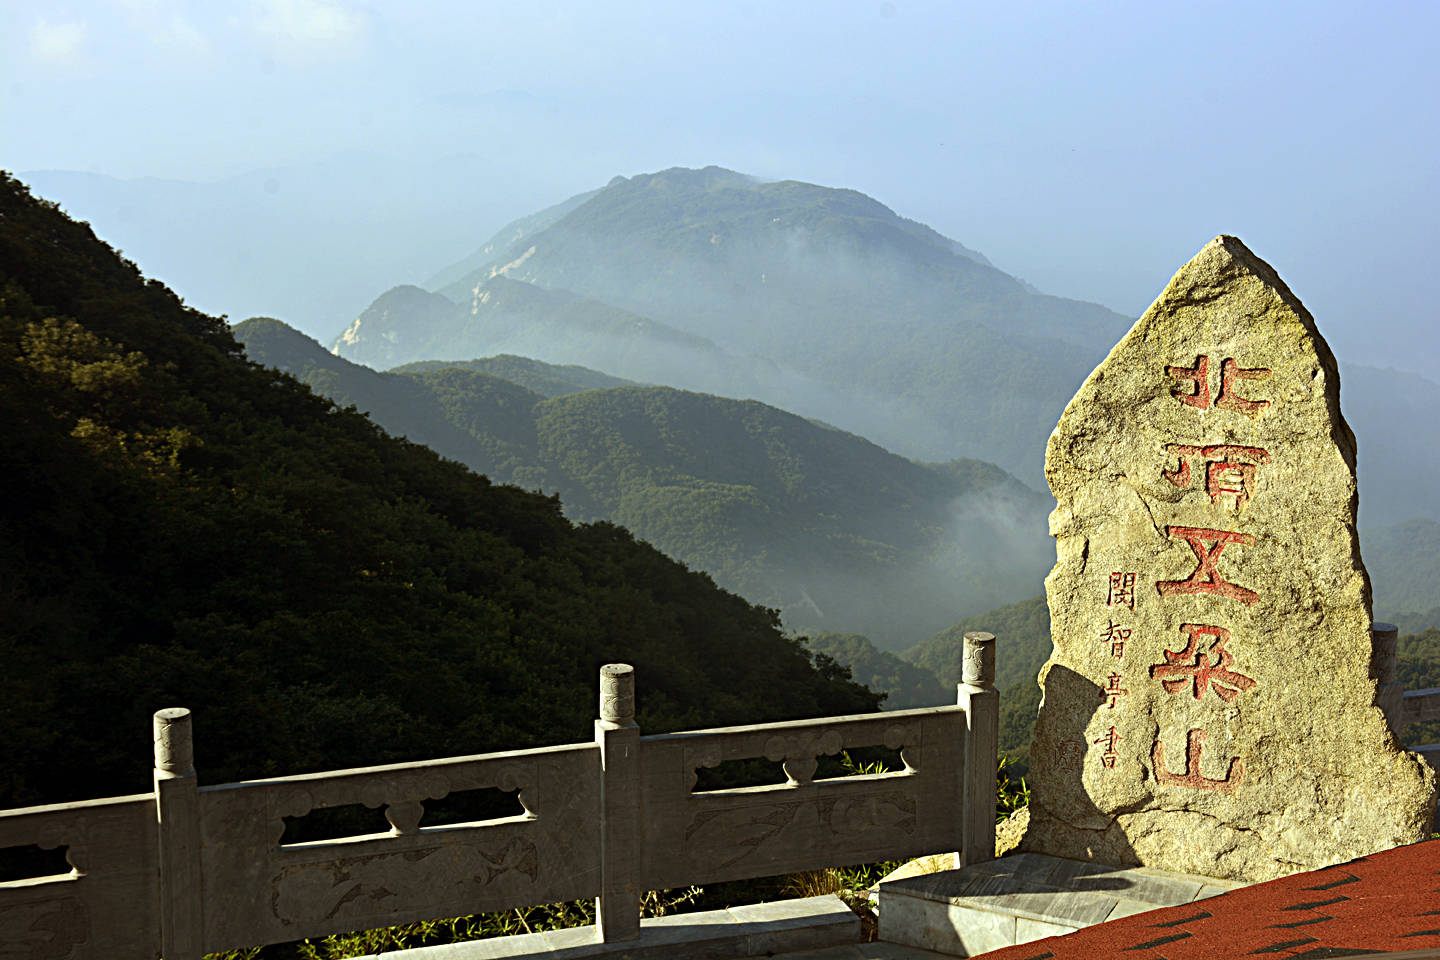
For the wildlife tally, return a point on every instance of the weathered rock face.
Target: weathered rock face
(1208, 706)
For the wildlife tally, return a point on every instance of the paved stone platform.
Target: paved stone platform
(756, 930)
(1383, 904)
(1025, 897)
(878, 950)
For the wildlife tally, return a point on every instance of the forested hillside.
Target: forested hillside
(183, 527)
(833, 530)
(904, 684)
(1404, 565)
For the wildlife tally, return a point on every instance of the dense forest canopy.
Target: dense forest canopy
(183, 527)
(829, 528)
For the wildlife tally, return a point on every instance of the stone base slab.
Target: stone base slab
(755, 930)
(1025, 897)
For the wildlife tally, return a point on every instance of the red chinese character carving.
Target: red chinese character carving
(1115, 635)
(1197, 666)
(1206, 579)
(1194, 744)
(1110, 739)
(1230, 371)
(1226, 476)
(1113, 692)
(1200, 375)
(1113, 631)
(1122, 590)
(1071, 752)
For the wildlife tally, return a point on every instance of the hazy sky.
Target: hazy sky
(1089, 148)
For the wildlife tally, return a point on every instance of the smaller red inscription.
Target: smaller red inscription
(1113, 632)
(1195, 669)
(1115, 635)
(1110, 739)
(1072, 754)
(1206, 579)
(1113, 692)
(1194, 744)
(1200, 376)
(1122, 590)
(1230, 371)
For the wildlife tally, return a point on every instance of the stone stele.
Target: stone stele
(1209, 704)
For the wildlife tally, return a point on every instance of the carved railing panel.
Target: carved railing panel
(550, 853)
(189, 870)
(804, 824)
(106, 908)
(1417, 706)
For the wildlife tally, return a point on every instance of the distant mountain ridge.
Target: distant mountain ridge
(825, 303)
(546, 379)
(824, 525)
(868, 320)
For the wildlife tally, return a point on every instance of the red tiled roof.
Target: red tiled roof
(1388, 901)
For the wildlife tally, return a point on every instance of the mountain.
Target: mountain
(1398, 437)
(507, 236)
(870, 321)
(546, 379)
(1404, 565)
(181, 526)
(831, 529)
(406, 325)
(866, 320)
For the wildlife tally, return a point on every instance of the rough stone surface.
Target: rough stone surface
(1208, 706)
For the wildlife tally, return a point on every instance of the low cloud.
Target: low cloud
(178, 33)
(58, 42)
(311, 29)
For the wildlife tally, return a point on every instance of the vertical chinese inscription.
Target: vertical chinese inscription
(1208, 455)
(1122, 590)
(1114, 636)
(1230, 470)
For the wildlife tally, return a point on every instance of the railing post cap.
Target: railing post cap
(617, 693)
(979, 663)
(174, 742)
(1378, 627)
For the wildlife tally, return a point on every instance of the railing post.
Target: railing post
(978, 696)
(1389, 694)
(617, 909)
(177, 808)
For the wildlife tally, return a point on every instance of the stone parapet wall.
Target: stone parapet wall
(191, 870)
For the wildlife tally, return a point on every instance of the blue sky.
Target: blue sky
(1088, 148)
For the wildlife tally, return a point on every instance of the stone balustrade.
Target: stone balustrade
(193, 869)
